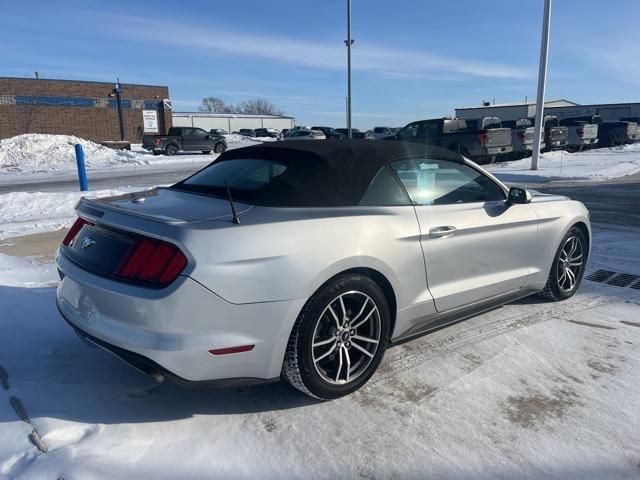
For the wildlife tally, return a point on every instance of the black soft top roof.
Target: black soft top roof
(329, 172)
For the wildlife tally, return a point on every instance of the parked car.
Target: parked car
(247, 132)
(581, 134)
(612, 133)
(522, 136)
(479, 139)
(556, 137)
(284, 131)
(382, 132)
(368, 135)
(218, 131)
(362, 245)
(267, 132)
(345, 131)
(184, 139)
(305, 135)
(330, 132)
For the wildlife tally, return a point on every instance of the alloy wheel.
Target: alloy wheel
(346, 337)
(570, 263)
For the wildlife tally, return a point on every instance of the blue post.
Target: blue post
(82, 171)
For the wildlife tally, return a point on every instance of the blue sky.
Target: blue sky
(412, 59)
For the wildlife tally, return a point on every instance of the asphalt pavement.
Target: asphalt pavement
(613, 202)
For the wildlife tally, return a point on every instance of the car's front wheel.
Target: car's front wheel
(339, 338)
(568, 266)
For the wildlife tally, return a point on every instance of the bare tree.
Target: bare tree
(214, 105)
(259, 106)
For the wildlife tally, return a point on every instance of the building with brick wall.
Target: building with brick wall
(85, 109)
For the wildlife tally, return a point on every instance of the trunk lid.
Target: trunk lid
(498, 137)
(166, 205)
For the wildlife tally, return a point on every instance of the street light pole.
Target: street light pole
(117, 91)
(349, 42)
(542, 83)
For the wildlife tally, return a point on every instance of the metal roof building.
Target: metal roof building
(230, 122)
(509, 111)
(561, 108)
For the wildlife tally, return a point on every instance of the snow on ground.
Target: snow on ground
(598, 164)
(24, 213)
(44, 154)
(530, 390)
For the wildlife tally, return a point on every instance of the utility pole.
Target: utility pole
(117, 91)
(542, 83)
(348, 42)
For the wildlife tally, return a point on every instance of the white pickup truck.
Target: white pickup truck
(581, 134)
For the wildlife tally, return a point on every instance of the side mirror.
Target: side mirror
(519, 195)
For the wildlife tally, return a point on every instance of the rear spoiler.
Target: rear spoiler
(95, 209)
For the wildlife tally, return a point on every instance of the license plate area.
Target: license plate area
(98, 249)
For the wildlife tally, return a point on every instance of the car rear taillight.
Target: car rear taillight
(73, 231)
(580, 131)
(152, 261)
(156, 141)
(483, 137)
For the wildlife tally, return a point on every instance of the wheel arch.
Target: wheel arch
(381, 280)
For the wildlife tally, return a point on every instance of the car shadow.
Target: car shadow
(56, 375)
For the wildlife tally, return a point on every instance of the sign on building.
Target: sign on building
(150, 121)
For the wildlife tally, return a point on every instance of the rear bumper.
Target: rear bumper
(170, 331)
(498, 150)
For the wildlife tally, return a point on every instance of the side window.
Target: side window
(441, 182)
(187, 132)
(384, 191)
(200, 133)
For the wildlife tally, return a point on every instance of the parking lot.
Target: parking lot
(527, 390)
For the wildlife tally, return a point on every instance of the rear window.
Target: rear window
(269, 182)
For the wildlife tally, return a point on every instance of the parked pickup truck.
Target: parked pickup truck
(184, 139)
(635, 120)
(612, 133)
(556, 137)
(522, 135)
(479, 139)
(581, 134)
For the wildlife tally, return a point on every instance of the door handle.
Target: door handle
(442, 232)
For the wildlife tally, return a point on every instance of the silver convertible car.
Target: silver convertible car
(306, 260)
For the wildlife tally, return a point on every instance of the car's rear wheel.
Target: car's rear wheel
(339, 338)
(568, 267)
(171, 150)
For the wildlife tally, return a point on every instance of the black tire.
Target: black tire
(299, 368)
(171, 150)
(555, 288)
(206, 152)
(220, 147)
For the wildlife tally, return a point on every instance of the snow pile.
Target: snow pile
(598, 164)
(24, 213)
(37, 152)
